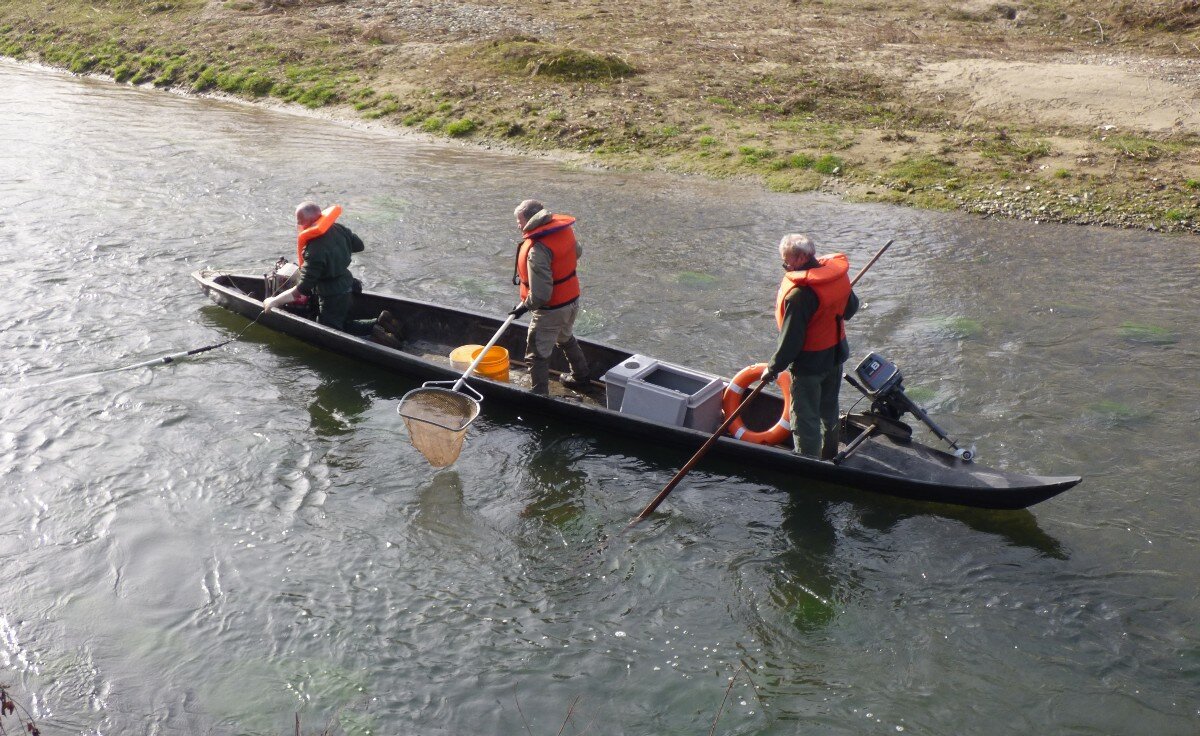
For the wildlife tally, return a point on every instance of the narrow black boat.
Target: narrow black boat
(671, 405)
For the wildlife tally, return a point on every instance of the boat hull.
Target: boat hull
(883, 464)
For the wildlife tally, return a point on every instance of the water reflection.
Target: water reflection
(440, 506)
(557, 485)
(806, 584)
(1015, 528)
(337, 405)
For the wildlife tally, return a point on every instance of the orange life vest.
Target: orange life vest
(832, 286)
(316, 230)
(559, 237)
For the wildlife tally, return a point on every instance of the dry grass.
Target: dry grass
(683, 84)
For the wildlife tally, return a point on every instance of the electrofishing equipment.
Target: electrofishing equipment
(283, 275)
(880, 381)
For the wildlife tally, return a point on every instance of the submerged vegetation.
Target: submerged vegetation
(642, 88)
(1148, 334)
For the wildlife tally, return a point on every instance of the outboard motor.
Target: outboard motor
(882, 383)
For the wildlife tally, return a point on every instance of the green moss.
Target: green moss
(460, 127)
(432, 125)
(145, 73)
(829, 164)
(205, 80)
(793, 180)
(171, 72)
(83, 62)
(753, 154)
(318, 95)
(919, 172)
(386, 108)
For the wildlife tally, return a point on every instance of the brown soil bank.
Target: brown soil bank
(1057, 110)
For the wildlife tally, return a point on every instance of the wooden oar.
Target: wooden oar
(666, 491)
(662, 495)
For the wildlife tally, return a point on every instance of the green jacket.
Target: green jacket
(789, 353)
(326, 269)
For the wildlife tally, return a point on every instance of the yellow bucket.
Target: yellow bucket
(494, 365)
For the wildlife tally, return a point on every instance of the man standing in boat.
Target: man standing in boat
(813, 303)
(324, 247)
(545, 271)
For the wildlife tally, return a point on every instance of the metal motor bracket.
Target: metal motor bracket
(880, 380)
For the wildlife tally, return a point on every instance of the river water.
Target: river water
(215, 546)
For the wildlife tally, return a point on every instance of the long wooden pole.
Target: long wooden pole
(666, 491)
(872, 261)
(662, 495)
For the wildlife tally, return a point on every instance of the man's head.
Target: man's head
(527, 210)
(797, 249)
(307, 213)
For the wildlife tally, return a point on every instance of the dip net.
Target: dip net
(437, 421)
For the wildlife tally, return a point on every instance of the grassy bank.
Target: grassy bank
(800, 96)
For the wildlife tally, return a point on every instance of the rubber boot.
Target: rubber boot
(539, 376)
(578, 376)
(383, 337)
(829, 444)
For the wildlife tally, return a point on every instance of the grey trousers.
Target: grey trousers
(814, 412)
(547, 328)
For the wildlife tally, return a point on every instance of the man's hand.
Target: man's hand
(518, 310)
(279, 300)
(769, 376)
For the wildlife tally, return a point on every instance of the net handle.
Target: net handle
(467, 389)
(475, 363)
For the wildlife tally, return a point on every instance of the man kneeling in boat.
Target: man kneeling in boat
(545, 271)
(814, 301)
(324, 247)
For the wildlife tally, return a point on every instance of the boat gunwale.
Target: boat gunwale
(1021, 489)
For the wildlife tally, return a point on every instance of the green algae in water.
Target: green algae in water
(810, 613)
(472, 285)
(1115, 414)
(588, 322)
(381, 210)
(920, 394)
(1148, 334)
(957, 328)
(696, 280)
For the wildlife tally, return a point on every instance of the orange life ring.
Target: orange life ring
(733, 396)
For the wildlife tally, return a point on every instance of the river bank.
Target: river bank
(1046, 111)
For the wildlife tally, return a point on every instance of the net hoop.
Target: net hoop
(437, 418)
